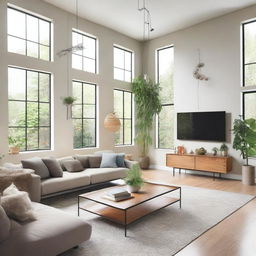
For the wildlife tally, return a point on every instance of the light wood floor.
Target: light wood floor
(235, 235)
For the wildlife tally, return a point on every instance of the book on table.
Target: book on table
(118, 194)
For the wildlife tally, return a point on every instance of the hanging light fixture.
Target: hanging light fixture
(112, 122)
(147, 24)
(75, 48)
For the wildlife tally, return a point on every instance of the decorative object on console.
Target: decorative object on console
(245, 141)
(201, 151)
(215, 151)
(181, 150)
(191, 152)
(134, 180)
(112, 122)
(148, 104)
(224, 149)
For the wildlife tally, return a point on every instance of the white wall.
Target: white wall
(63, 24)
(219, 42)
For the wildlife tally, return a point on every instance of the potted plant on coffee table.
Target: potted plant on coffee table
(245, 141)
(148, 104)
(133, 179)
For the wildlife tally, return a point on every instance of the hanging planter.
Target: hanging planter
(112, 122)
(68, 102)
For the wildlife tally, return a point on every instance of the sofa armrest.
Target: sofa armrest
(35, 188)
(129, 164)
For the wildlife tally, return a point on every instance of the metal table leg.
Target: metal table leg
(125, 223)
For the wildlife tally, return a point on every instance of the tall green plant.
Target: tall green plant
(148, 104)
(245, 137)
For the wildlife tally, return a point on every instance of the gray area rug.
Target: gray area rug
(164, 232)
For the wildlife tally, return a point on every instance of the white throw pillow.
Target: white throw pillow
(12, 189)
(17, 204)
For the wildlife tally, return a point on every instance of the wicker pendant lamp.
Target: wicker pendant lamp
(112, 122)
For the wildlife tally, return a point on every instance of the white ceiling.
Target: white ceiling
(167, 15)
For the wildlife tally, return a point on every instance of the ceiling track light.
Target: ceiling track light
(147, 24)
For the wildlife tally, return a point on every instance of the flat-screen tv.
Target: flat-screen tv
(209, 126)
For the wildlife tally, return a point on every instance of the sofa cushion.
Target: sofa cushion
(17, 205)
(108, 160)
(5, 225)
(98, 175)
(84, 160)
(95, 161)
(120, 159)
(63, 159)
(53, 166)
(68, 181)
(38, 165)
(73, 165)
(52, 233)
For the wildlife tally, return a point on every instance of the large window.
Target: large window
(123, 64)
(249, 69)
(84, 114)
(30, 108)
(165, 120)
(84, 59)
(123, 109)
(29, 35)
(249, 104)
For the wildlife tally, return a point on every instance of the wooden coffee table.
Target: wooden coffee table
(151, 198)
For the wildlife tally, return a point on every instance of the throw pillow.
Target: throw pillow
(53, 166)
(12, 189)
(5, 225)
(84, 159)
(108, 160)
(120, 160)
(63, 159)
(17, 204)
(95, 161)
(73, 165)
(38, 165)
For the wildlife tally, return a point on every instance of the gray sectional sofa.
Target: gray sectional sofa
(50, 186)
(52, 233)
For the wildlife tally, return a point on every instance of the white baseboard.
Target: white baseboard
(226, 176)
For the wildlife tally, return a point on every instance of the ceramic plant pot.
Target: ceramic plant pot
(133, 189)
(248, 175)
(144, 162)
(14, 150)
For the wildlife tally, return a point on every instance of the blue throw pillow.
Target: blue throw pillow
(120, 160)
(108, 160)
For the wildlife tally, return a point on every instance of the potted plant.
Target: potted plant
(245, 141)
(148, 104)
(215, 151)
(201, 151)
(133, 179)
(14, 145)
(224, 149)
(68, 102)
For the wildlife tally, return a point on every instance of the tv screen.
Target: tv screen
(210, 126)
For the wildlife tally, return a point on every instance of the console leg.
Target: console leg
(179, 171)
(173, 171)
